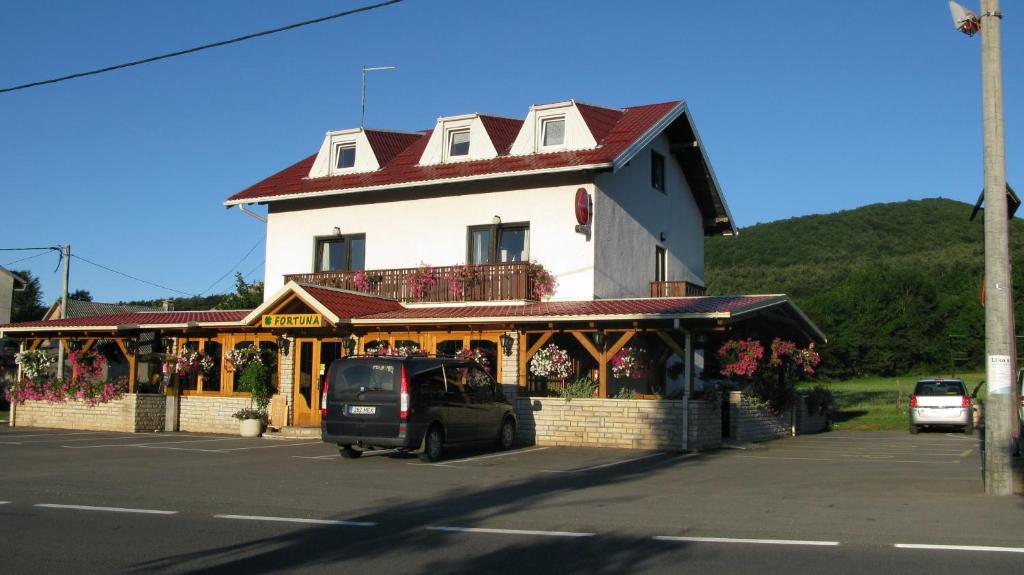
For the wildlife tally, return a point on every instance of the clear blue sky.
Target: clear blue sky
(804, 107)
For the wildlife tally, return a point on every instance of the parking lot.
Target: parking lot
(840, 490)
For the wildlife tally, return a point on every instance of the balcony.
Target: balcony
(676, 289)
(436, 284)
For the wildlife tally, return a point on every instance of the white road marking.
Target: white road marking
(960, 548)
(4, 502)
(328, 456)
(862, 460)
(225, 450)
(748, 541)
(16, 434)
(603, 465)
(10, 443)
(503, 454)
(298, 520)
(263, 446)
(149, 443)
(113, 509)
(511, 531)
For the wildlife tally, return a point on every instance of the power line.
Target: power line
(200, 48)
(27, 249)
(250, 272)
(78, 257)
(234, 267)
(28, 258)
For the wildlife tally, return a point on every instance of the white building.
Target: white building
(8, 284)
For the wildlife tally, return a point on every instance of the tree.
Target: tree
(28, 304)
(246, 296)
(80, 295)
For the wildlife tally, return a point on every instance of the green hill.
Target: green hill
(888, 283)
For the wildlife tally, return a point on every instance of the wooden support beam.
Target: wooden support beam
(672, 344)
(35, 344)
(526, 353)
(131, 363)
(585, 342)
(602, 384)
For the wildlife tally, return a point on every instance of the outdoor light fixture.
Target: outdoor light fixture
(283, 343)
(350, 344)
(496, 220)
(506, 341)
(337, 231)
(599, 339)
(131, 345)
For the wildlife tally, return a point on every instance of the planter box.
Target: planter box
(132, 413)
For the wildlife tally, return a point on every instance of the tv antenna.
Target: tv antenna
(365, 69)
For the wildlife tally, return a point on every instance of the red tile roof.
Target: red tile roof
(606, 307)
(503, 131)
(632, 124)
(387, 145)
(347, 305)
(599, 120)
(139, 318)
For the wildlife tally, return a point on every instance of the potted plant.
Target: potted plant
(254, 379)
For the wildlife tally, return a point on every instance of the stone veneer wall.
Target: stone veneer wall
(286, 376)
(635, 424)
(210, 413)
(754, 424)
(133, 412)
(510, 368)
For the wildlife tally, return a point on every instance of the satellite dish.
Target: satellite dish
(964, 20)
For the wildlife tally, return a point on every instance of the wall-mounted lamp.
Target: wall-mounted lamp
(599, 340)
(662, 236)
(283, 343)
(350, 344)
(337, 231)
(506, 342)
(131, 345)
(496, 220)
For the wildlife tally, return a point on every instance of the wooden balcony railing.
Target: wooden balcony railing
(486, 282)
(676, 289)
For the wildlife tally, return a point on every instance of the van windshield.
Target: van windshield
(928, 388)
(355, 376)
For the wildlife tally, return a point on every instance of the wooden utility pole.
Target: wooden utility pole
(65, 253)
(1000, 348)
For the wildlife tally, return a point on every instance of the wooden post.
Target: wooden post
(621, 343)
(526, 353)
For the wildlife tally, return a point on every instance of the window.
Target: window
(657, 171)
(501, 243)
(458, 143)
(659, 264)
(345, 156)
(340, 253)
(553, 131)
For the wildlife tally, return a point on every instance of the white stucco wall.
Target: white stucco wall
(6, 296)
(401, 234)
(629, 216)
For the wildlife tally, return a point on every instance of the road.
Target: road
(842, 502)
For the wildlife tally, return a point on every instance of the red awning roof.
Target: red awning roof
(142, 319)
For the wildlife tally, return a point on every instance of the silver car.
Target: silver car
(941, 402)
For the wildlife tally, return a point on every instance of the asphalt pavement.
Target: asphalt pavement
(841, 502)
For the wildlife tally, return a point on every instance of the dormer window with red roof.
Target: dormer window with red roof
(458, 142)
(345, 155)
(554, 132)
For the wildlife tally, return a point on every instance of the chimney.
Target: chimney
(168, 305)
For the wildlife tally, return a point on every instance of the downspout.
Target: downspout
(251, 213)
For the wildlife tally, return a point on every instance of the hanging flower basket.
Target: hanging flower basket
(462, 279)
(190, 362)
(239, 358)
(551, 362)
(631, 363)
(476, 354)
(34, 364)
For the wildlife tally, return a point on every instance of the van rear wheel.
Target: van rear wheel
(349, 452)
(433, 444)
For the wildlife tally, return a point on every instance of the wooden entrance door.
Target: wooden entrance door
(311, 362)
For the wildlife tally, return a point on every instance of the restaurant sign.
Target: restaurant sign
(293, 320)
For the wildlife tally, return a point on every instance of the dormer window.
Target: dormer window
(553, 132)
(345, 156)
(458, 143)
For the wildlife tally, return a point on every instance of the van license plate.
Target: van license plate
(362, 409)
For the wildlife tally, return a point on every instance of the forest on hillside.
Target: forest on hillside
(895, 287)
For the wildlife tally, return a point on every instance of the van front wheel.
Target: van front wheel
(507, 435)
(349, 452)
(433, 444)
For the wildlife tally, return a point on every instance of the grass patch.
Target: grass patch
(880, 403)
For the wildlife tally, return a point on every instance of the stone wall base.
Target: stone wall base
(134, 412)
(210, 414)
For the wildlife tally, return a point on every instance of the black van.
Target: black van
(412, 403)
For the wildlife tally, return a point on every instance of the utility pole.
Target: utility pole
(1000, 343)
(65, 254)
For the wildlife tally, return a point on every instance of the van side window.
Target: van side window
(429, 384)
(479, 385)
(455, 382)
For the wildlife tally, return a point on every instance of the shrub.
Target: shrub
(583, 387)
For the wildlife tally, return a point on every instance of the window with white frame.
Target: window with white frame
(552, 132)
(458, 143)
(345, 156)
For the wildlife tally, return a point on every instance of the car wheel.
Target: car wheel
(349, 452)
(433, 444)
(507, 435)
(914, 429)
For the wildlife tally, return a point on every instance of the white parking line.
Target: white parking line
(4, 502)
(603, 465)
(20, 435)
(748, 541)
(298, 520)
(510, 531)
(112, 509)
(149, 443)
(503, 454)
(960, 548)
(328, 456)
(225, 450)
(858, 460)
